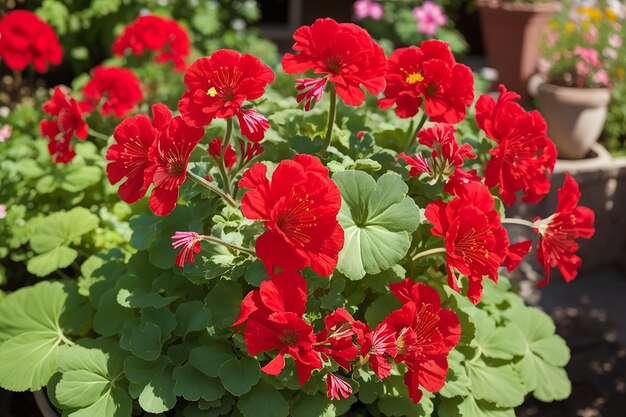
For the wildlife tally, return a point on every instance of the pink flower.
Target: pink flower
(190, 241)
(5, 133)
(552, 38)
(591, 35)
(589, 55)
(615, 41)
(430, 17)
(581, 69)
(310, 91)
(3, 211)
(601, 78)
(368, 8)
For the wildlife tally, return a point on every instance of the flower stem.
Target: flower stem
(410, 140)
(228, 245)
(428, 253)
(98, 135)
(331, 118)
(204, 183)
(519, 221)
(221, 164)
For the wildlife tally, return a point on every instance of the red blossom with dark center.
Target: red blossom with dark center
(66, 120)
(345, 53)
(425, 334)
(117, 88)
(475, 241)
(129, 155)
(558, 233)
(299, 207)
(26, 39)
(170, 154)
(428, 72)
(157, 34)
(524, 155)
(273, 321)
(219, 85)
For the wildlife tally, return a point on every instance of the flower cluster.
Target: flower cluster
(26, 39)
(163, 36)
(305, 219)
(419, 335)
(583, 48)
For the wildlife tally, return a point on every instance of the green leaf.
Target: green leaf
(263, 400)
(381, 308)
(52, 237)
(545, 354)
(145, 341)
(467, 406)
(497, 342)
(155, 381)
(92, 384)
(224, 303)
(110, 317)
(192, 384)
(31, 328)
(48, 262)
(191, 317)
(500, 385)
(313, 406)
(305, 144)
(378, 219)
(209, 358)
(239, 376)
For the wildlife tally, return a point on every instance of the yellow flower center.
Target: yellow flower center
(414, 78)
(211, 92)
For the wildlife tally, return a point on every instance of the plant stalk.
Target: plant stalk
(228, 245)
(331, 119)
(204, 183)
(428, 252)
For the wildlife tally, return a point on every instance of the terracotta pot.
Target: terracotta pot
(575, 117)
(511, 35)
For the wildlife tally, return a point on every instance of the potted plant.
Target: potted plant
(295, 262)
(581, 58)
(511, 31)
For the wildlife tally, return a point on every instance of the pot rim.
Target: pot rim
(597, 96)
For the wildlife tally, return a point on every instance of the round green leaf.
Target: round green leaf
(378, 219)
(263, 400)
(500, 385)
(239, 376)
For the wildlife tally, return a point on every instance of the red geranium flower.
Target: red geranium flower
(428, 73)
(170, 155)
(345, 53)
(66, 120)
(157, 34)
(273, 321)
(219, 85)
(475, 241)
(426, 333)
(216, 148)
(119, 88)
(336, 340)
(377, 346)
(299, 207)
(190, 243)
(557, 245)
(26, 39)
(337, 388)
(524, 155)
(129, 155)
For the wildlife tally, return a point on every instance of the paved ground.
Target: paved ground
(590, 314)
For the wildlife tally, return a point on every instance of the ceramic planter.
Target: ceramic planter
(575, 117)
(511, 35)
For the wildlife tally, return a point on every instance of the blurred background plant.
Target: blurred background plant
(584, 49)
(410, 22)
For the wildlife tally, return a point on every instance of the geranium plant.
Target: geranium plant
(325, 260)
(583, 47)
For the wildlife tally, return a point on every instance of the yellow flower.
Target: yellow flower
(570, 27)
(610, 14)
(620, 72)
